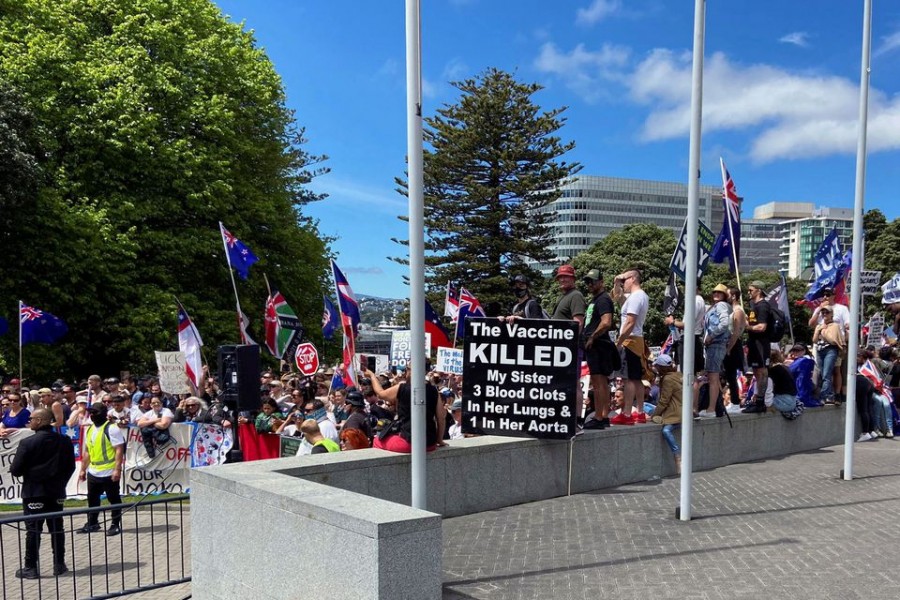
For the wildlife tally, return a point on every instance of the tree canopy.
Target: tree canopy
(492, 166)
(149, 121)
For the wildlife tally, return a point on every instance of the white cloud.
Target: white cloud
(786, 114)
(797, 38)
(455, 70)
(582, 70)
(888, 43)
(597, 11)
(362, 196)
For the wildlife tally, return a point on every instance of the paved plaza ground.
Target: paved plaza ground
(783, 528)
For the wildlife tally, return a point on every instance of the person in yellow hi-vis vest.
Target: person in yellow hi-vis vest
(102, 458)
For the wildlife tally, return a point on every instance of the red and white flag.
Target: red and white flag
(190, 343)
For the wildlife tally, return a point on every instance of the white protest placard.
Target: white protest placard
(382, 362)
(449, 360)
(401, 347)
(876, 331)
(891, 290)
(172, 374)
(869, 281)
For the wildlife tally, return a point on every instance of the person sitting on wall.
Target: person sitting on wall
(154, 426)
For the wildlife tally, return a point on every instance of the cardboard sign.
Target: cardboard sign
(876, 331)
(705, 242)
(173, 377)
(449, 360)
(401, 347)
(869, 281)
(520, 378)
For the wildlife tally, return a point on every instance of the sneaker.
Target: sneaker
(880, 433)
(864, 437)
(622, 419)
(28, 573)
(756, 407)
(873, 436)
(116, 529)
(60, 569)
(640, 417)
(889, 434)
(706, 414)
(89, 528)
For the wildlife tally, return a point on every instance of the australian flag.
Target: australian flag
(240, 257)
(331, 321)
(346, 301)
(728, 244)
(469, 306)
(39, 327)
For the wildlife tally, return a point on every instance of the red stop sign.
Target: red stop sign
(307, 359)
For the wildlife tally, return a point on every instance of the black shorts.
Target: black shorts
(634, 368)
(758, 352)
(603, 359)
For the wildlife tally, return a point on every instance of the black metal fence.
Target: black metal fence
(152, 551)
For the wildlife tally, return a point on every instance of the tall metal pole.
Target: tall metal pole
(416, 249)
(856, 274)
(690, 269)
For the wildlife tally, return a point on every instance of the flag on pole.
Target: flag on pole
(283, 328)
(239, 256)
(244, 325)
(829, 267)
(451, 302)
(728, 243)
(39, 327)
(346, 302)
(672, 296)
(349, 352)
(779, 298)
(331, 320)
(469, 306)
(871, 372)
(439, 334)
(189, 343)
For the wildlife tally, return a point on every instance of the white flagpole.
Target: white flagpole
(727, 202)
(240, 314)
(20, 348)
(416, 248)
(856, 274)
(683, 512)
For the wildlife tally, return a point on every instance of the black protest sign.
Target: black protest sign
(520, 377)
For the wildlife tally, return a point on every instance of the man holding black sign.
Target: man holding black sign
(600, 352)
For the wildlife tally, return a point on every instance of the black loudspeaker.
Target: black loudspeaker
(239, 377)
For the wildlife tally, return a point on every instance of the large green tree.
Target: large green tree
(492, 166)
(156, 119)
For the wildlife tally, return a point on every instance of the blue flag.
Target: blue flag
(39, 327)
(829, 266)
(331, 320)
(239, 255)
(728, 243)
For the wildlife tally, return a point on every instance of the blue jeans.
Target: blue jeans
(882, 419)
(668, 432)
(825, 362)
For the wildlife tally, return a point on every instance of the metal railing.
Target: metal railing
(150, 552)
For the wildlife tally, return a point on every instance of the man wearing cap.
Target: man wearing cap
(668, 408)
(44, 461)
(631, 339)
(758, 346)
(571, 307)
(599, 350)
(525, 307)
(355, 404)
(102, 457)
(840, 314)
(715, 340)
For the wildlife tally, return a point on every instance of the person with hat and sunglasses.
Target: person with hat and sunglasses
(715, 341)
(599, 350)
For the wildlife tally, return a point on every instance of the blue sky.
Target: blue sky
(780, 96)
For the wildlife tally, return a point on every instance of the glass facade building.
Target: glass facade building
(592, 207)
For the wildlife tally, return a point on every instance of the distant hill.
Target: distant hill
(373, 310)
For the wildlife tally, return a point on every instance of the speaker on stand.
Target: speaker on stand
(239, 385)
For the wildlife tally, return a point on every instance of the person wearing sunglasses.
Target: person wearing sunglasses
(45, 461)
(15, 416)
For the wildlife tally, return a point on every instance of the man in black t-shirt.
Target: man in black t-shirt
(758, 346)
(600, 351)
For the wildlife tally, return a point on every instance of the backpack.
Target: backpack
(775, 327)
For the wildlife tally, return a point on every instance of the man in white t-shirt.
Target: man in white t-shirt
(631, 339)
(154, 426)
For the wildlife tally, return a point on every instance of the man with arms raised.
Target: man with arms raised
(631, 338)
